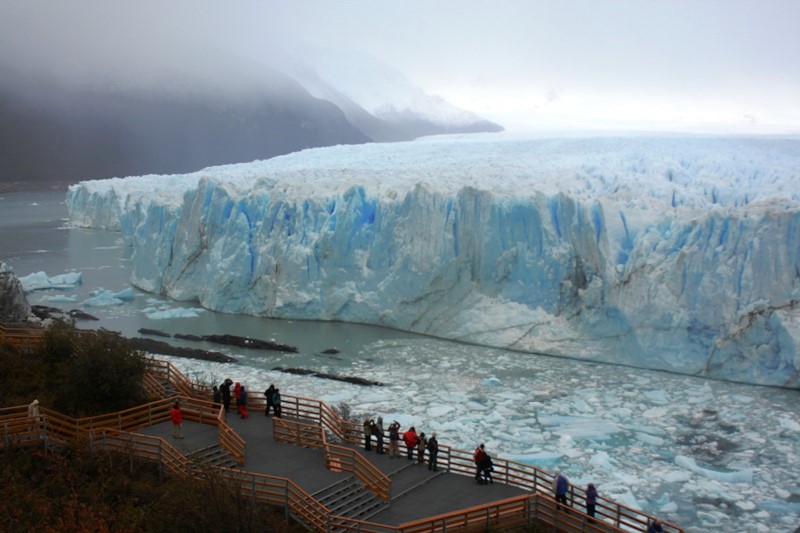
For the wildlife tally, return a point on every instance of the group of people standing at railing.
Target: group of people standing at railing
(373, 429)
(223, 394)
(413, 441)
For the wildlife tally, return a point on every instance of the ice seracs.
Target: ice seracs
(674, 253)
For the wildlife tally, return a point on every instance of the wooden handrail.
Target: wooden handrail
(21, 338)
(346, 459)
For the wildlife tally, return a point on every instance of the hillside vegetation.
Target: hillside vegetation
(82, 490)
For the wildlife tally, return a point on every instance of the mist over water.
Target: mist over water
(706, 455)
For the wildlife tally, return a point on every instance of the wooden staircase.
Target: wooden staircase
(214, 455)
(349, 498)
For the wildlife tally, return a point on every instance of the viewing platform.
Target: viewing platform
(312, 463)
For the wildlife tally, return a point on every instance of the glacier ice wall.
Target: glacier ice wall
(676, 253)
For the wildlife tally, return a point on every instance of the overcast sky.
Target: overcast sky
(678, 65)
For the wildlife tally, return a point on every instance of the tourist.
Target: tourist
(368, 434)
(379, 434)
(591, 499)
(243, 402)
(216, 396)
(561, 486)
(237, 394)
(422, 444)
(177, 421)
(477, 458)
(394, 439)
(410, 438)
(269, 394)
(486, 467)
(276, 402)
(33, 416)
(433, 452)
(655, 527)
(225, 388)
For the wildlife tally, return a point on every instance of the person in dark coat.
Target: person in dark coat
(433, 452)
(276, 402)
(368, 434)
(561, 486)
(591, 499)
(270, 395)
(422, 445)
(379, 434)
(486, 467)
(225, 389)
(394, 439)
(217, 396)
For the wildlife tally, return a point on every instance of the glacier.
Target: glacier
(676, 253)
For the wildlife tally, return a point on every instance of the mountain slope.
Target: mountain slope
(54, 132)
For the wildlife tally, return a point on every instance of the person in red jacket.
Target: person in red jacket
(237, 394)
(411, 439)
(477, 457)
(177, 421)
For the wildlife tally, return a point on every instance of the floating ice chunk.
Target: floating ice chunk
(492, 382)
(658, 396)
(581, 406)
(737, 476)
(746, 506)
(102, 298)
(655, 412)
(62, 299)
(602, 461)
(536, 459)
(440, 410)
(126, 295)
(66, 280)
(649, 439)
(40, 281)
(669, 507)
(34, 281)
(174, 313)
(580, 427)
(787, 423)
(676, 476)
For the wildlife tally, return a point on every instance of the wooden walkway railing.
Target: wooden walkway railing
(323, 422)
(22, 338)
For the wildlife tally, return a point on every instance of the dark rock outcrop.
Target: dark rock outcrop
(154, 332)
(187, 337)
(14, 306)
(246, 342)
(77, 314)
(347, 379)
(43, 312)
(162, 348)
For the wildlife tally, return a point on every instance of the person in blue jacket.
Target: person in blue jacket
(561, 487)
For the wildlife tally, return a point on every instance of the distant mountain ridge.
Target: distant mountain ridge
(54, 131)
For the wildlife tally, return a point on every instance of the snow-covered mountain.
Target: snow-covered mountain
(378, 99)
(672, 253)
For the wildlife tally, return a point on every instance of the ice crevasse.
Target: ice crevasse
(673, 253)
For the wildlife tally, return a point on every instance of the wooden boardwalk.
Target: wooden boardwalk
(307, 466)
(416, 491)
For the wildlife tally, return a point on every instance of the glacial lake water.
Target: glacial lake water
(707, 455)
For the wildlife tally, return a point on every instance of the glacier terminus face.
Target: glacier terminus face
(673, 253)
